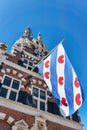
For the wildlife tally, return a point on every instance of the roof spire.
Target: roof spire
(27, 33)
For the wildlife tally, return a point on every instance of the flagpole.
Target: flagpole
(48, 54)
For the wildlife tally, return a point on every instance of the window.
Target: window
(12, 95)
(35, 103)
(25, 61)
(42, 105)
(10, 88)
(39, 98)
(3, 92)
(42, 95)
(7, 81)
(27, 64)
(15, 84)
(35, 92)
(38, 54)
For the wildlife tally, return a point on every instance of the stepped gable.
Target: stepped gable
(31, 45)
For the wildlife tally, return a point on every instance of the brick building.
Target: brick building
(25, 100)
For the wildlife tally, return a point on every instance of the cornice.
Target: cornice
(17, 67)
(34, 112)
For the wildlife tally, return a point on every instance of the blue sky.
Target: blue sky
(55, 20)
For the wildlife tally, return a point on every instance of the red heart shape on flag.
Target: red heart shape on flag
(61, 59)
(47, 64)
(63, 101)
(76, 82)
(60, 80)
(78, 99)
(46, 74)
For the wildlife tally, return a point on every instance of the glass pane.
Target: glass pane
(41, 56)
(3, 92)
(15, 84)
(7, 81)
(30, 63)
(25, 61)
(42, 106)
(20, 62)
(12, 96)
(42, 95)
(68, 117)
(35, 92)
(35, 103)
(29, 68)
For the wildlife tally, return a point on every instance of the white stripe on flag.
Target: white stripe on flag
(77, 91)
(47, 69)
(60, 75)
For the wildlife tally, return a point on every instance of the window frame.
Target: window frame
(9, 88)
(40, 99)
(27, 65)
(39, 55)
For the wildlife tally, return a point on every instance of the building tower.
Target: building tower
(25, 100)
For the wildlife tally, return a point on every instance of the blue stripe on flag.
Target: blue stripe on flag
(40, 67)
(69, 84)
(53, 75)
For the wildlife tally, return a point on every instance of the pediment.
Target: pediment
(21, 123)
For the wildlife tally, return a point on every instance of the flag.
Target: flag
(62, 81)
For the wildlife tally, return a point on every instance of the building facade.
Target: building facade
(25, 100)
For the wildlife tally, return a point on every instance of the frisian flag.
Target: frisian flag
(62, 81)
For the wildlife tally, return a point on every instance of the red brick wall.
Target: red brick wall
(4, 125)
(55, 126)
(30, 120)
(17, 116)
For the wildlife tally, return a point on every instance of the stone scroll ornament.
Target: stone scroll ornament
(40, 125)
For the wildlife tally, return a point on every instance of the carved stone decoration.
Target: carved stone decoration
(23, 79)
(25, 55)
(20, 75)
(10, 120)
(34, 81)
(2, 115)
(20, 125)
(39, 82)
(3, 71)
(44, 85)
(40, 125)
(14, 127)
(14, 72)
(8, 70)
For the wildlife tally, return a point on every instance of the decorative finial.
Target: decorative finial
(39, 37)
(28, 33)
